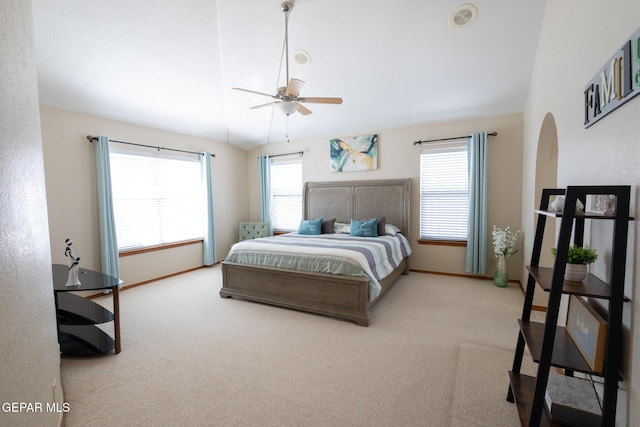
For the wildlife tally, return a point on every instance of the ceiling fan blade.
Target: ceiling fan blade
(294, 86)
(303, 110)
(263, 105)
(317, 100)
(253, 91)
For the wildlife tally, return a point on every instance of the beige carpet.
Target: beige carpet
(436, 354)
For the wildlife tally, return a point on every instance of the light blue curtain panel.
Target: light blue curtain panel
(110, 262)
(264, 175)
(209, 246)
(476, 261)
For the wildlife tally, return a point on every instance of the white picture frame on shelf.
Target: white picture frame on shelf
(603, 204)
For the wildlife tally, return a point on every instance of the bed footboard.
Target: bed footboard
(329, 294)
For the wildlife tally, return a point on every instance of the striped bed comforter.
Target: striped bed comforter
(343, 254)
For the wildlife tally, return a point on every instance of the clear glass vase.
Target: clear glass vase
(501, 275)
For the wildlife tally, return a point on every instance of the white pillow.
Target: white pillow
(391, 229)
(343, 228)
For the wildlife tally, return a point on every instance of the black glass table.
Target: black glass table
(77, 317)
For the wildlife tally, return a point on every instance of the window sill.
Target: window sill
(278, 232)
(442, 242)
(137, 251)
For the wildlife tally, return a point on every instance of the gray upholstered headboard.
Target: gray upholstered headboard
(343, 200)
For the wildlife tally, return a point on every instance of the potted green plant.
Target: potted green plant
(578, 258)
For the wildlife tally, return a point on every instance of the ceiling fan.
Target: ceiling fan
(287, 97)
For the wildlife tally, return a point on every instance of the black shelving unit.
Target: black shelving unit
(550, 344)
(77, 317)
(77, 330)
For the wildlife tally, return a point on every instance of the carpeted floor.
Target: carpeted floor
(436, 354)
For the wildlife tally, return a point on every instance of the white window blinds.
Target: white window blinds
(156, 199)
(286, 193)
(444, 192)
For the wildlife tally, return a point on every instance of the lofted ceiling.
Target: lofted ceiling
(171, 64)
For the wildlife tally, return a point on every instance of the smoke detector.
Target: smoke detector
(302, 57)
(463, 16)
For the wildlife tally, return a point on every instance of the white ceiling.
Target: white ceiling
(171, 64)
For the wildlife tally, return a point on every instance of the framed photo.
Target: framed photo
(603, 204)
(588, 330)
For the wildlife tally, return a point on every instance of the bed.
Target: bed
(348, 297)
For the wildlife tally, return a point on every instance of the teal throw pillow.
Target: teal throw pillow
(310, 227)
(364, 228)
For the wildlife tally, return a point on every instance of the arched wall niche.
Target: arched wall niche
(546, 177)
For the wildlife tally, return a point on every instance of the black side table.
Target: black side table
(77, 317)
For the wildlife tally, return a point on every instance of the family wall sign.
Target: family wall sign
(616, 83)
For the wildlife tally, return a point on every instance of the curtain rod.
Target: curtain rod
(95, 138)
(300, 153)
(450, 139)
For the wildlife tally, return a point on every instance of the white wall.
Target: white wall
(73, 204)
(399, 158)
(29, 354)
(578, 38)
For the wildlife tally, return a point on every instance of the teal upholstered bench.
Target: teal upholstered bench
(253, 230)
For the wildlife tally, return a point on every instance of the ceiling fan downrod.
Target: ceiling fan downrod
(286, 8)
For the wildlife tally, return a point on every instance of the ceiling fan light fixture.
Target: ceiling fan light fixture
(288, 107)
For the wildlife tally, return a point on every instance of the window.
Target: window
(156, 199)
(444, 192)
(286, 193)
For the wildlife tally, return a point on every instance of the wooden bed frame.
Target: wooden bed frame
(328, 294)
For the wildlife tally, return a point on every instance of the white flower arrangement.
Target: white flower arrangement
(504, 241)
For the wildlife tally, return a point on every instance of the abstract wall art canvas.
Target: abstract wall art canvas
(358, 153)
